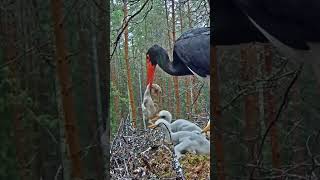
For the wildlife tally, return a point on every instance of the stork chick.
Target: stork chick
(184, 141)
(149, 108)
(177, 125)
(156, 90)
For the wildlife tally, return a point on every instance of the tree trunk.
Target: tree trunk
(64, 150)
(192, 78)
(188, 95)
(175, 78)
(103, 61)
(10, 52)
(216, 115)
(103, 123)
(65, 84)
(189, 15)
(180, 16)
(170, 105)
(271, 111)
(187, 79)
(126, 56)
(90, 95)
(168, 26)
(195, 92)
(116, 98)
(248, 63)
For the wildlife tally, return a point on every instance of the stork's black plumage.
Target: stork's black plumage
(191, 55)
(291, 25)
(292, 22)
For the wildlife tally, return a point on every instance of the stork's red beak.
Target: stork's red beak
(150, 71)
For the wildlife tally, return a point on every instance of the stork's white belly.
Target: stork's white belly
(207, 78)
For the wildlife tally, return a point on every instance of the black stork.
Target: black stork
(191, 55)
(290, 25)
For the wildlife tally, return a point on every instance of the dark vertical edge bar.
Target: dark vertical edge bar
(212, 164)
(108, 124)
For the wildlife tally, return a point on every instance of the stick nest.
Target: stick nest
(139, 154)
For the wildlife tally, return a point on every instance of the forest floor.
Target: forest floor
(143, 154)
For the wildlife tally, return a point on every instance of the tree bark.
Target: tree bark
(64, 150)
(271, 111)
(186, 79)
(193, 88)
(170, 105)
(66, 93)
(248, 63)
(104, 76)
(217, 116)
(126, 56)
(10, 52)
(175, 78)
(168, 26)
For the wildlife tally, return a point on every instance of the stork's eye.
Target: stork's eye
(162, 117)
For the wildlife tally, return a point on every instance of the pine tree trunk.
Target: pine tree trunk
(248, 63)
(169, 97)
(64, 150)
(195, 92)
(168, 26)
(193, 88)
(170, 105)
(36, 91)
(10, 52)
(116, 98)
(271, 111)
(217, 116)
(187, 79)
(65, 84)
(188, 95)
(90, 94)
(126, 56)
(175, 78)
(103, 62)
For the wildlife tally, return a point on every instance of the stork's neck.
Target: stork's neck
(167, 65)
(165, 125)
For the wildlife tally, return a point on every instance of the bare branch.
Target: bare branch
(285, 99)
(124, 26)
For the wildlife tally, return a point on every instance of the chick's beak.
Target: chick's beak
(152, 126)
(155, 118)
(207, 128)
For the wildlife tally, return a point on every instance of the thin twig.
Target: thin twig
(285, 99)
(125, 26)
(195, 100)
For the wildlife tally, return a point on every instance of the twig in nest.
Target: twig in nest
(145, 161)
(175, 163)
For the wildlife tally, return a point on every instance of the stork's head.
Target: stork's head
(151, 58)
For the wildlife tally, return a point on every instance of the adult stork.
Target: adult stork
(191, 56)
(290, 25)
